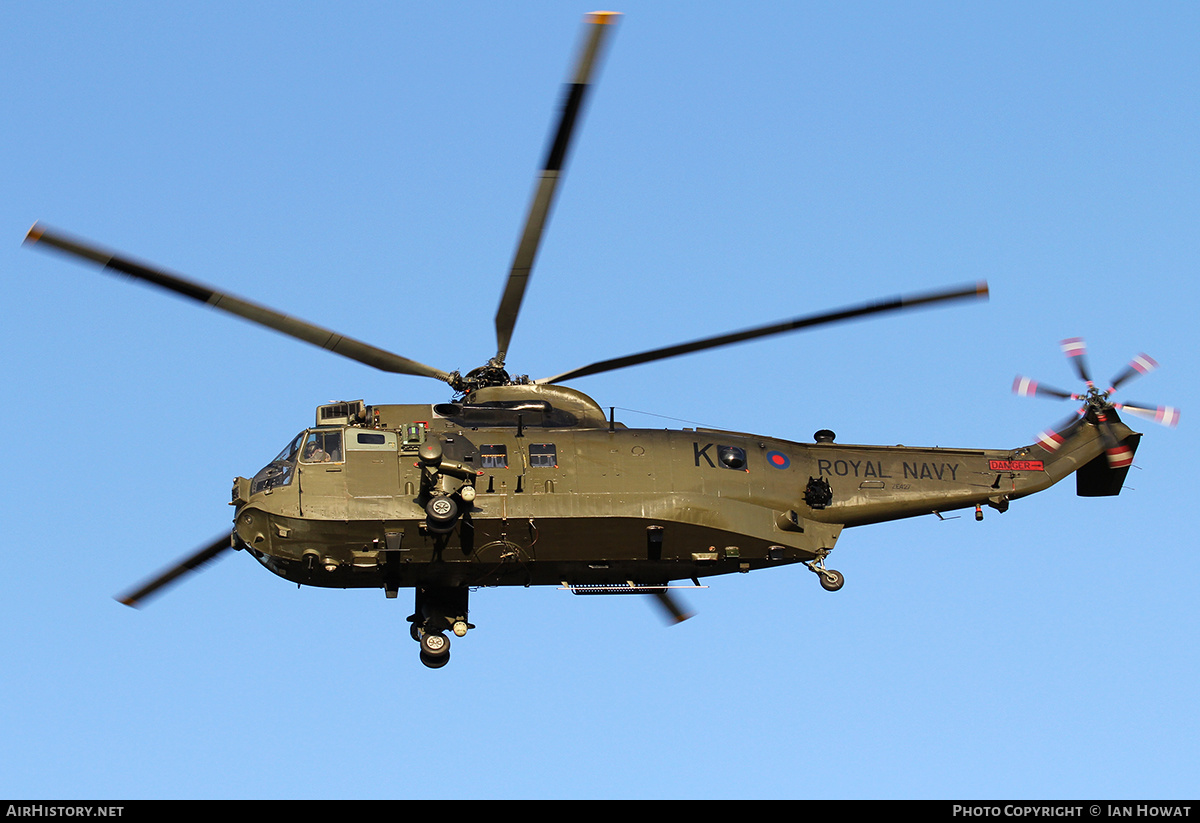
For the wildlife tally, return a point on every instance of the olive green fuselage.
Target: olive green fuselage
(594, 502)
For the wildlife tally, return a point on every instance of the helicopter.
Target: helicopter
(527, 482)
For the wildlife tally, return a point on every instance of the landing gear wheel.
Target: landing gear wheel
(434, 644)
(832, 580)
(441, 512)
(438, 611)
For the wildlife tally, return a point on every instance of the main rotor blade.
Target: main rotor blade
(181, 568)
(291, 326)
(670, 607)
(979, 290)
(599, 24)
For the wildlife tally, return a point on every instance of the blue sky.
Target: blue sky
(367, 166)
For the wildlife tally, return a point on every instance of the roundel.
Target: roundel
(778, 460)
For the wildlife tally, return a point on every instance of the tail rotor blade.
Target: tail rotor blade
(1118, 454)
(1052, 439)
(1076, 349)
(1142, 364)
(1163, 415)
(1032, 388)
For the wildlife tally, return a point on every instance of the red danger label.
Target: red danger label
(1016, 465)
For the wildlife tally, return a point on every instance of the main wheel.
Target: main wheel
(831, 581)
(435, 644)
(441, 512)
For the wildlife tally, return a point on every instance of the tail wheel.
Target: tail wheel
(832, 580)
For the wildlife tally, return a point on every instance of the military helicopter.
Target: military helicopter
(520, 482)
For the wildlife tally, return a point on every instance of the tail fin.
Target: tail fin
(1098, 479)
(1096, 446)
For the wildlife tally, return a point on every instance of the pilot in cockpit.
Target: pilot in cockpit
(313, 453)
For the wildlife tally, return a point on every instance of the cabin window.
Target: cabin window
(322, 446)
(358, 440)
(543, 456)
(493, 457)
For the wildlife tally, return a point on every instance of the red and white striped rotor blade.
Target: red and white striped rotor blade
(1163, 415)
(1119, 455)
(1142, 364)
(1032, 388)
(1052, 439)
(1075, 349)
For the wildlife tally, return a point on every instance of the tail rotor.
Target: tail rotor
(1097, 405)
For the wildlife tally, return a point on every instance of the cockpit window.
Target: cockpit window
(279, 471)
(322, 446)
(288, 455)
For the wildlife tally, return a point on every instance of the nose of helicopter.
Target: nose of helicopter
(250, 529)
